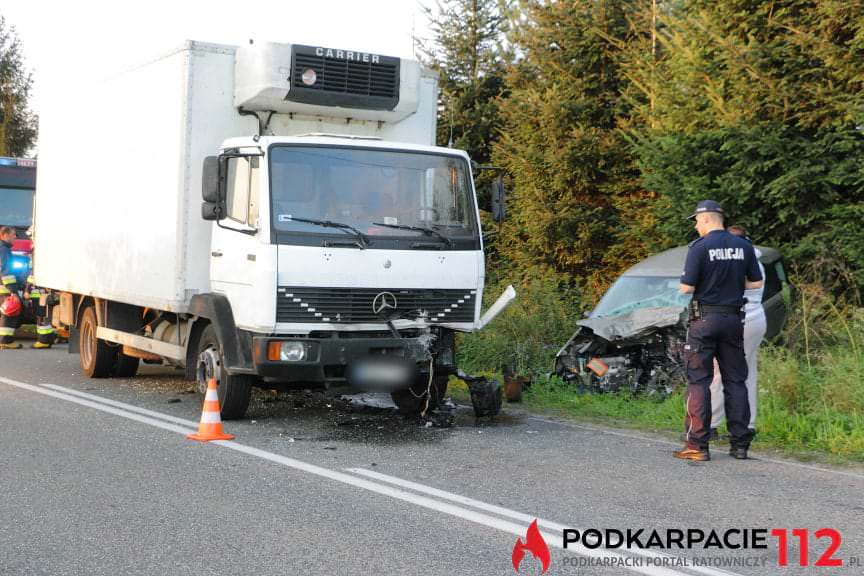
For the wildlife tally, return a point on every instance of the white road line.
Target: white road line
(129, 407)
(754, 456)
(411, 498)
(98, 406)
(443, 494)
(169, 418)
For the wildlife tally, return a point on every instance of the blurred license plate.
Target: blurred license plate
(380, 373)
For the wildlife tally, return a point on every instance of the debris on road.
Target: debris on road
(443, 416)
(514, 384)
(485, 394)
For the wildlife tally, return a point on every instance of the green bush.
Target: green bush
(526, 335)
(797, 190)
(815, 405)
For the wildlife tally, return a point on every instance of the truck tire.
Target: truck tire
(96, 356)
(413, 400)
(234, 390)
(125, 366)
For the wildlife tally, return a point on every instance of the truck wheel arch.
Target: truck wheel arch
(215, 310)
(87, 301)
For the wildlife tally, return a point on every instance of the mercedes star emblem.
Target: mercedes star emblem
(383, 301)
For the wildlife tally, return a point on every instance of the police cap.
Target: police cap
(707, 206)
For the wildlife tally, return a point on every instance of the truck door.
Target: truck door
(234, 245)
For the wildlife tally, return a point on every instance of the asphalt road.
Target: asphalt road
(96, 477)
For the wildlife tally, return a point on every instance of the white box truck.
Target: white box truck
(271, 215)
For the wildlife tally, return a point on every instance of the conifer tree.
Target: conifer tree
(576, 201)
(466, 51)
(759, 105)
(17, 121)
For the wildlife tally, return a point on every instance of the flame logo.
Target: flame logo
(535, 544)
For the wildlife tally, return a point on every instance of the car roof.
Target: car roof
(671, 262)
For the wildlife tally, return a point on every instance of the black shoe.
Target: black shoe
(695, 454)
(738, 453)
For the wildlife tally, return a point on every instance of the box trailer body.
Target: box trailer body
(332, 229)
(129, 192)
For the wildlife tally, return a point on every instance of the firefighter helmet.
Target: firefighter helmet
(11, 306)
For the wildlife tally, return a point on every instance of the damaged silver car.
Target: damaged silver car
(634, 339)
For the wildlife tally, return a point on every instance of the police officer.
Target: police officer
(719, 267)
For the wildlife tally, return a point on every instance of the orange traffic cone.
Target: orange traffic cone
(210, 427)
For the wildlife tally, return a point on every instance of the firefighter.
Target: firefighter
(45, 334)
(10, 303)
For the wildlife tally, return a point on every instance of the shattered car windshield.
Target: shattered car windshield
(631, 293)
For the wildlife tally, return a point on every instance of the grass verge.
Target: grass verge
(810, 413)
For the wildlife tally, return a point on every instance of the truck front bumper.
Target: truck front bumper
(327, 360)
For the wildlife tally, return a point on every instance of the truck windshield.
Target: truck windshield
(16, 207)
(386, 195)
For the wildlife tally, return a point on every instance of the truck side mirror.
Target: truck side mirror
(499, 200)
(212, 189)
(211, 183)
(212, 211)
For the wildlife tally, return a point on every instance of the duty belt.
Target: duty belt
(707, 308)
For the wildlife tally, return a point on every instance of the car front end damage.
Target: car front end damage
(641, 352)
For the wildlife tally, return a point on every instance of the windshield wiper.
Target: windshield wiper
(427, 231)
(347, 228)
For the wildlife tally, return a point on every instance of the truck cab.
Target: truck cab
(348, 261)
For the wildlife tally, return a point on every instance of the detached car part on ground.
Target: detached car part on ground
(634, 339)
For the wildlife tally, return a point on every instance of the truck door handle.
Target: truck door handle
(216, 253)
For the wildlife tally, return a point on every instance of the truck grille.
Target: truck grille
(354, 305)
(344, 78)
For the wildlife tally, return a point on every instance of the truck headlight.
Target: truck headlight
(287, 351)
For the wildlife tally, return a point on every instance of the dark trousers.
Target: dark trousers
(45, 333)
(7, 328)
(721, 336)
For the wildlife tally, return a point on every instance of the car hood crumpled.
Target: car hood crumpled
(635, 324)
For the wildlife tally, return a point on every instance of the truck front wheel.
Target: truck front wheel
(97, 357)
(414, 400)
(234, 390)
